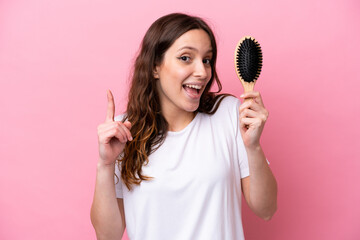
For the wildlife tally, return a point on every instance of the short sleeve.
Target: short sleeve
(240, 147)
(117, 178)
(118, 183)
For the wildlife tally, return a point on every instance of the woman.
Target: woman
(184, 154)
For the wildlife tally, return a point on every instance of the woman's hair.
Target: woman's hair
(149, 126)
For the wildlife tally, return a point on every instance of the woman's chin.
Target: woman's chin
(191, 107)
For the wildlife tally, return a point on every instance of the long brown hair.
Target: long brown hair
(149, 126)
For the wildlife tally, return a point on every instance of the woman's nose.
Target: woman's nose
(200, 70)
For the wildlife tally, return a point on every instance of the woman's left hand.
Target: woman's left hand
(252, 115)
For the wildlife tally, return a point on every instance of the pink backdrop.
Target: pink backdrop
(57, 58)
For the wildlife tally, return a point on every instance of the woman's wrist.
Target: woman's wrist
(253, 148)
(102, 166)
(256, 156)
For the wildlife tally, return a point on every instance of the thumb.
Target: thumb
(127, 124)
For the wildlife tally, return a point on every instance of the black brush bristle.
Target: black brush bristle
(249, 60)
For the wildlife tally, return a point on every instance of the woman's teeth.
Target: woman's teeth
(193, 89)
(193, 86)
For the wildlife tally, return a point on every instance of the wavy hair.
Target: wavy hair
(149, 126)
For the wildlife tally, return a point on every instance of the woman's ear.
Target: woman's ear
(156, 72)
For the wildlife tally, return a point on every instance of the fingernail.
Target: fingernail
(242, 95)
(131, 138)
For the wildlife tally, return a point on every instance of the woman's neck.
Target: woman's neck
(177, 120)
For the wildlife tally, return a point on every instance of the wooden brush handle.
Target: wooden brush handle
(248, 87)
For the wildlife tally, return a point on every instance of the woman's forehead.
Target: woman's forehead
(194, 40)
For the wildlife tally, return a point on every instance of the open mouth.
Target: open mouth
(192, 89)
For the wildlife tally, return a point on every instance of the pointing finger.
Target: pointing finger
(110, 107)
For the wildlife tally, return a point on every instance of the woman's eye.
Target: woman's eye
(207, 61)
(184, 58)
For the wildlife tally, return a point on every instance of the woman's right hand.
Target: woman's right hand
(112, 135)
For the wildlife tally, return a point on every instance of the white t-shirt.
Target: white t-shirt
(196, 190)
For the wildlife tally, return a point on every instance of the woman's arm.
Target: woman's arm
(260, 188)
(107, 213)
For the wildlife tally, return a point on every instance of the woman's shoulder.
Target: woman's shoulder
(230, 99)
(227, 110)
(227, 104)
(225, 118)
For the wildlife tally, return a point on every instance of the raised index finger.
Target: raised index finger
(110, 107)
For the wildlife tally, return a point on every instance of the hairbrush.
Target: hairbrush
(248, 62)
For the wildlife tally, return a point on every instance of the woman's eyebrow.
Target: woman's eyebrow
(193, 49)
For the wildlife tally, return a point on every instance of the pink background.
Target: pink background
(57, 58)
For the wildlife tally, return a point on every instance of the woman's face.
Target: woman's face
(184, 72)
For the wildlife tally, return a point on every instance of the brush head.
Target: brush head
(248, 59)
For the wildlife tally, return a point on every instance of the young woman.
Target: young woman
(182, 154)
